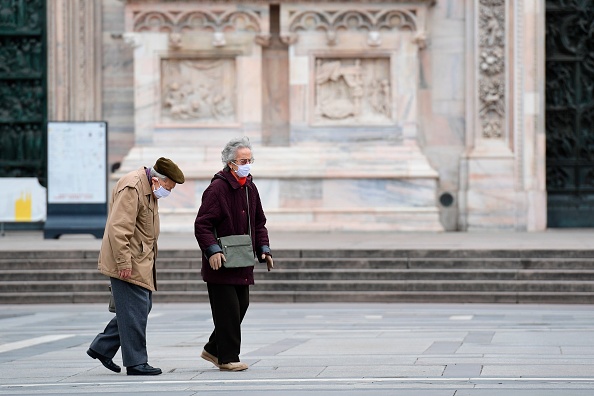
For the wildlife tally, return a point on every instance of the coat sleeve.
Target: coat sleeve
(261, 232)
(121, 225)
(206, 221)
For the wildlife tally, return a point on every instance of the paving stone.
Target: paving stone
(315, 349)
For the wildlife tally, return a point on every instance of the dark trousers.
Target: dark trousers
(128, 328)
(228, 304)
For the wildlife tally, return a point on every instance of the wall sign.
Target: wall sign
(76, 178)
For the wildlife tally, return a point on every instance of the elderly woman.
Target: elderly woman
(224, 211)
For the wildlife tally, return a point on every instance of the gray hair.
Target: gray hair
(230, 151)
(154, 173)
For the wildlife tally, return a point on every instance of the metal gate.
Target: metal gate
(570, 112)
(23, 87)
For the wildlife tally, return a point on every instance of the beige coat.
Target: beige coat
(131, 232)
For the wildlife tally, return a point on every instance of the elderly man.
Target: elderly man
(127, 256)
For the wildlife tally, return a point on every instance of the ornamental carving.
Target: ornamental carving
(198, 91)
(353, 90)
(492, 67)
(21, 56)
(569, 104)
(17, 17)
(373, 22)
(197, 21)
(218, 23)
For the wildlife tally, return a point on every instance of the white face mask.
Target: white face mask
(161, 192)
(243, 170)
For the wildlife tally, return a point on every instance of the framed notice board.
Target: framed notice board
(76, 178)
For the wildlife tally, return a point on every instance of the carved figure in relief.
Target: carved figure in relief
(7, 13)
(380, 97)
(353, 89)
(344, 92)
(196, 90)
(492, 29)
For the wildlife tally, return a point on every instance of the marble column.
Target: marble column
(74, 60)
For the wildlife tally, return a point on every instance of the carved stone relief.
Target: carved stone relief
(332, 22)
(492, 67)
(198, 91)
(216, 22)
(352, 90)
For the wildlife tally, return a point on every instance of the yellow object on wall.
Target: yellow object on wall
(23, 207)
(24, 201)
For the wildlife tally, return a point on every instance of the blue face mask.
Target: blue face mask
(161, 192)
(243, 170)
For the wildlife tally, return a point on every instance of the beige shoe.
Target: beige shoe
(233, 366)
(209, 357)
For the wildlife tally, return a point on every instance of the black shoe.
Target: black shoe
(105, 361)
(143, 369)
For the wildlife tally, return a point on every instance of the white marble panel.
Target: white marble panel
(378, 193)
(449, 78)
(270, 191)
(299, 70)
(250, 87)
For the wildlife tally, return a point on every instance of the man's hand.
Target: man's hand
(269, 261)
(216, 260)
(125, 273)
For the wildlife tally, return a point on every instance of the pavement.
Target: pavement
(317, 349)
(313, 349)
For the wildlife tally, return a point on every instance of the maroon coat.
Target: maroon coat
(224, 207)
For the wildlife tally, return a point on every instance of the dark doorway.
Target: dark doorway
(570, 112)
(23, 98)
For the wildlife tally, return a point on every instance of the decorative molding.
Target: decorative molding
(373, 19)
(263, 39)
(491, 60)
(289, 38)
(214, 20)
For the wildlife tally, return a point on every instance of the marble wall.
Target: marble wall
(416, 115)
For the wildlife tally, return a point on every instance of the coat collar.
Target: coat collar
(146, 187)
(227, 176)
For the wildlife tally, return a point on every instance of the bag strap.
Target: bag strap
(247, 200)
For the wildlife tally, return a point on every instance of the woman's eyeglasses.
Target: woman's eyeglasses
(243, 161)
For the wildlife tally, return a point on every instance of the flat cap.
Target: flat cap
(168, 168)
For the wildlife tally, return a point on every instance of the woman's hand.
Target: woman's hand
(269, 261)
(216, 261)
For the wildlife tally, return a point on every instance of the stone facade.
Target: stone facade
(364, 115)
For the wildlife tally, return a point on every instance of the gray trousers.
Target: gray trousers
(128, 328)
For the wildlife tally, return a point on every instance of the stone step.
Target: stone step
(321, 286)
(326, 263)
(350, 274)
(317, 254)
(313, 297)
(537, 276)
